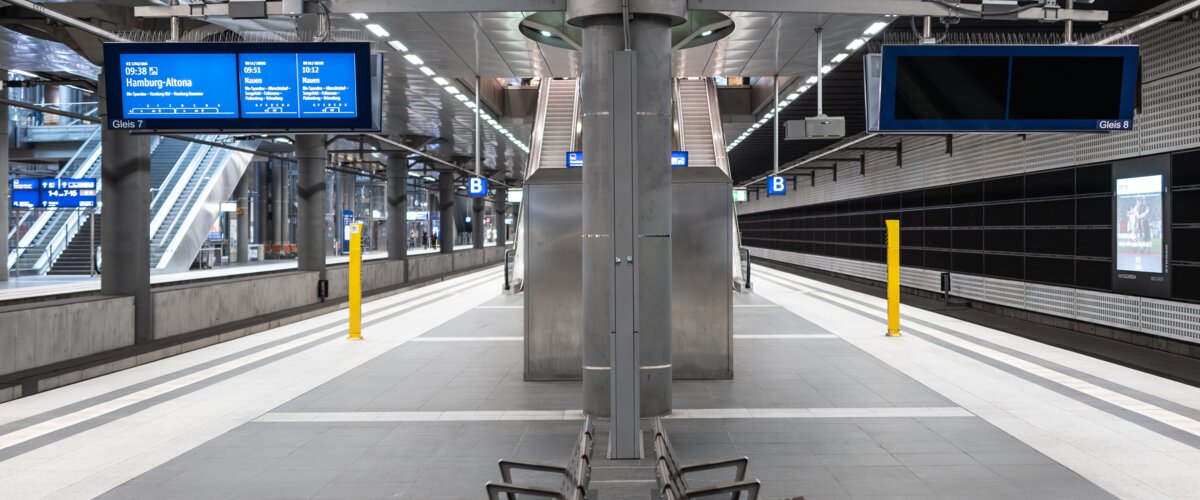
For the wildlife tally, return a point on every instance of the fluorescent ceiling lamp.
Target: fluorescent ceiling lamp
(358, 15)
(840, 57)
(412, 58)
(793, 95)
(440, 81)
(426, 70)
(804, 88)
(811, 80)
(451, 89)
(397, 45)
(378, 30)
(875, 28)
(768, 115)
(826, 68)
(546, 34)
(470, 105)
(706, 33)
(855, 44)
(23, 73)
(461, 97)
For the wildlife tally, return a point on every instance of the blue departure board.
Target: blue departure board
(243, 86)
(25, 199)
(54, 192)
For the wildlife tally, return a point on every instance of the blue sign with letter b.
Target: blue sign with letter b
(776, 186)
(477, 187)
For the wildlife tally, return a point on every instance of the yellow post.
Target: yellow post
(893, 277)
(355, 288)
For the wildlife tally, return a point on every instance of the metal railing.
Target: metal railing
(539, 127)
(510, 260)
(718, 130)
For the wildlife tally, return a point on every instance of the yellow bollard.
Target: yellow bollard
(355, 287)
(893, 277)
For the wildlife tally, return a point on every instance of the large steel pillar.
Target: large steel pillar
(500, 207)
(278, 210)
(446, 229)
(125, 242)
(626, 104)
(311, 156)
(477, 205)
(4, 181)
(241, 193)
(397, 206)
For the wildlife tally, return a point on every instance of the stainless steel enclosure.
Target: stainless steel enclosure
(701, 282)
(701, 298)
(553, 212)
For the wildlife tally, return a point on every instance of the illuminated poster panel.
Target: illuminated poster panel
(1141, 226)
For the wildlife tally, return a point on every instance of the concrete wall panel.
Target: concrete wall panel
(33, 335)
(188, 308)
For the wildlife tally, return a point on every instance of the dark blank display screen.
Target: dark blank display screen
(1066, 88)
(951, 88)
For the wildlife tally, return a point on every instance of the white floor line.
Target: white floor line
(1120, 456)
(468, 339)
(502, 415)
(500, 307)
(94, 461)
(753, 306)
(63, 396)
(787, 336)
(795, 336)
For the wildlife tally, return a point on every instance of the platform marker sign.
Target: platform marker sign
(776, 185)
(477, 187)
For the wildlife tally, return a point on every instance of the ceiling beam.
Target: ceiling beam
(427, 6)
(895, 7)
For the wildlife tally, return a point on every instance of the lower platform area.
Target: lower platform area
(821, 402)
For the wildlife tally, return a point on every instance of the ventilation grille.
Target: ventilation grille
(1175, 320)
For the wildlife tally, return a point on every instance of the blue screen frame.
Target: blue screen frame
(578, 159)
(681, 157)
(887, 94)
(361, 121)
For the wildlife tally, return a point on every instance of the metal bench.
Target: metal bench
(673, 486)
(575, 475)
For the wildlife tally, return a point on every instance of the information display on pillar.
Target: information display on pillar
(574, 159)
(477, 187)
(679, 158)
(54, 193)
(283, 87)
(776, 185)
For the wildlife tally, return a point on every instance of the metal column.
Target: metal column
(626, 108)
(500, 207)
(279, 215)
(242, 194)
(125, 243)
(4, 179)
(397, 206)
(477, 205)
(311, 156)
(446, 230)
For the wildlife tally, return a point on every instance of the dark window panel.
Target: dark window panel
(971, 192)
(968, 240)
(971, 263)
(1185, 169)
(1008, 214)
(1004, 266)
(1004, 240)
(938, 196)
(1005, 188)
(1050, 213)
(1050, 241)
(938, 218)
(1094, 179)
(938, 238)
(1093, 242)
(1185, 206)
(1052, 183)
(1183, 283)
(911, 238)
(1185, 245)
(1094, 274)
(1094, 211)
(912, 218)
(1050, 270)
(940, 261)
(968, 216)
(913, 199)
(912, 258)
(891, 202)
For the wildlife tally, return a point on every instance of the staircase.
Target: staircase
(163, 160)
(555, 124)
(77, 257)
(698, 117)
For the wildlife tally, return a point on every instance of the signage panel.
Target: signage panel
(68, 198)
(54, 193)
(477, 187)
(574, 159)
(26, 199)
(776, 185)
(242, 86)
(24, 184)
(739, 194)
(679, 158)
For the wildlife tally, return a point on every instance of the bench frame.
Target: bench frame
(671, 474)
(578, 471)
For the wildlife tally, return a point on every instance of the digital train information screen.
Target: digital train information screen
(239, 86)
(995, 88)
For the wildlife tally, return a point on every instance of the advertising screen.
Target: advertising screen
(1139, 222)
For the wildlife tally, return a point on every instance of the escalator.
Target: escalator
(77, 257)
(699, 122)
